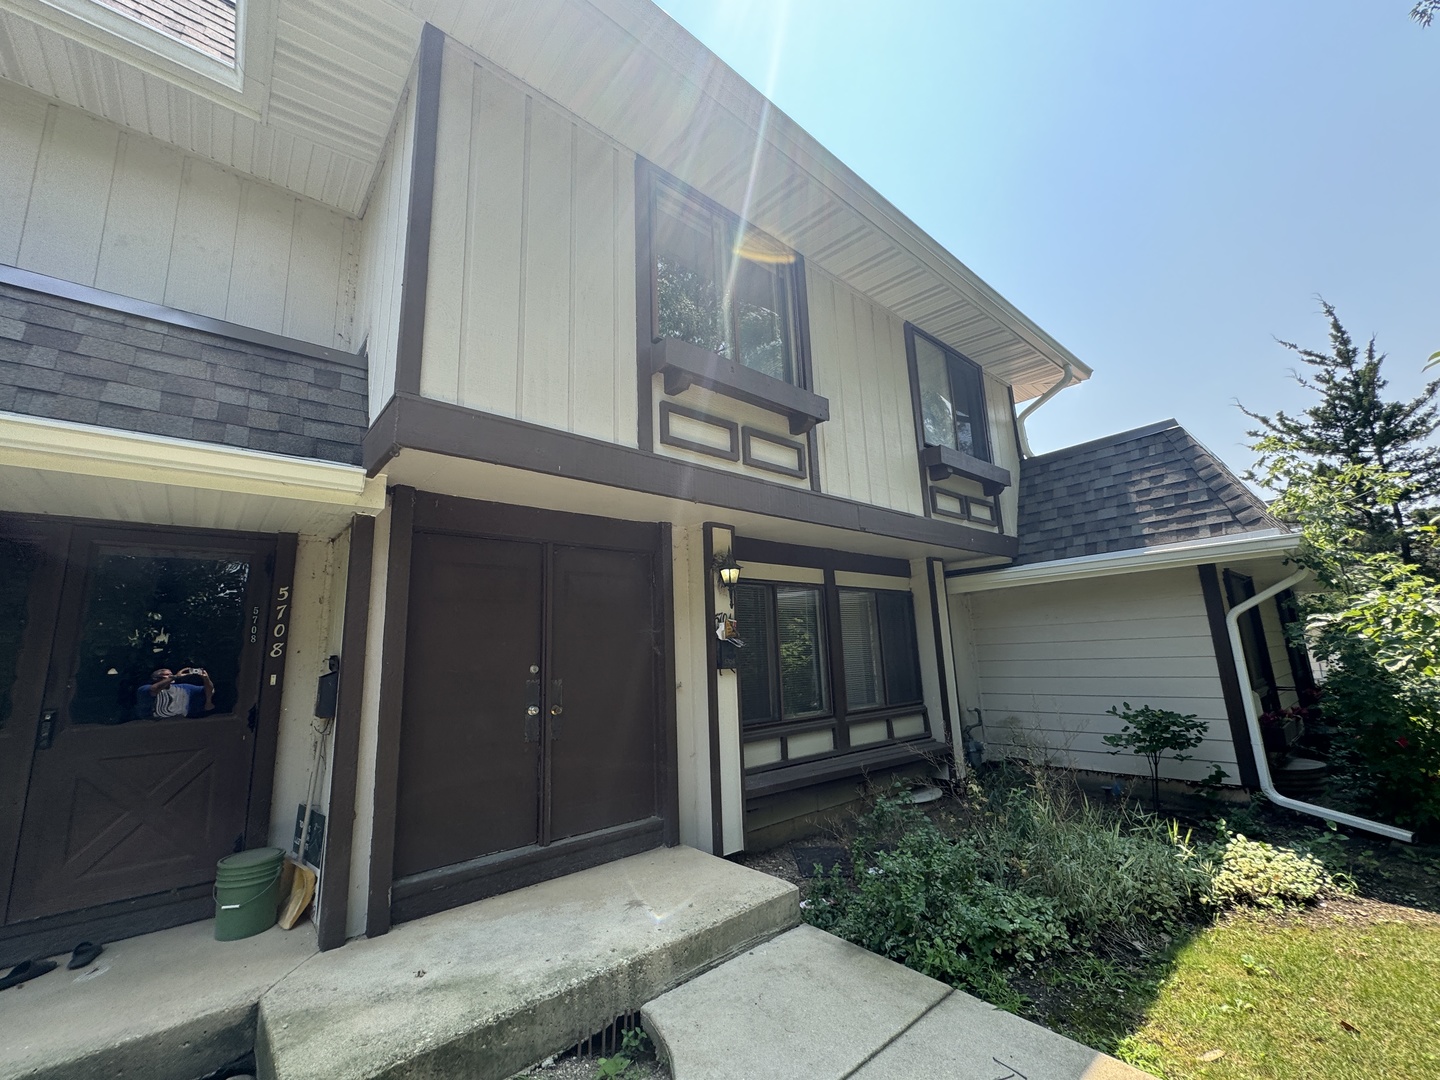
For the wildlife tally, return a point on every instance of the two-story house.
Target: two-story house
(645, 469)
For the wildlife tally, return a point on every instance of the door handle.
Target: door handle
(532, 710)
(557, 706)
(47, 730)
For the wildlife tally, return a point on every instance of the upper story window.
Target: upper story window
(207, 26)
(722, 285)
(952, 398)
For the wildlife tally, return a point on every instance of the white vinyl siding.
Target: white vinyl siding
(857, 350)
(1050, 660)
(90, 203)
(382, 259)
(531, 303)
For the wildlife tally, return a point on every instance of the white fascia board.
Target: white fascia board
(86, 450)
(1269, 542)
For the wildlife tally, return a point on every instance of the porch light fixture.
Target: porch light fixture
(727, 570)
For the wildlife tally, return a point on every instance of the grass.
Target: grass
(1259, 998)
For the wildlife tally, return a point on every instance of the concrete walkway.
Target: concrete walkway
(808, 1004)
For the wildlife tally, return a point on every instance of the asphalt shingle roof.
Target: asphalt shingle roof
(1143, 488)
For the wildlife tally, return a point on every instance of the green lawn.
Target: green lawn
(1326, 998)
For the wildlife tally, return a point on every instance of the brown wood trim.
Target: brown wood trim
(392, 696)
(411, 336)
(57, 934)
(472, 517)
(805, 361)
(450, 886)
(85, 294)
(1245, 586)
(340, 828)
(912, 365)
(669, 772)
(839, 700)
(771, 551)
(685, 365)
(712, 682)
(645, 307)
(668, 438)
(1229, 681)
(453, 430)
(838, 766)
(942, 461)
(748, 434)
(942, 662)
(272, 685)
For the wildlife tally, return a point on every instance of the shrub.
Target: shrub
(1253, 873)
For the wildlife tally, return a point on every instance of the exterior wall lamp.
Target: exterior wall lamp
(727, 570)
(727, 573)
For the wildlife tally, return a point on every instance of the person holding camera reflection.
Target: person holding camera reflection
(187, 692)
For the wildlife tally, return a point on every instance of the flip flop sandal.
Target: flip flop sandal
(26, 970)
(84, 955)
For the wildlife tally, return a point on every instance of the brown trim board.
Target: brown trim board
(272, 685)
(410, 421)
(712, 683)
(335, 873)
(669, 771)
(411, 335)
(1229, 681)
(392, 697)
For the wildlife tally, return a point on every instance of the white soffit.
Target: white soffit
(630, 70)
(321, 80)
(1258, 544)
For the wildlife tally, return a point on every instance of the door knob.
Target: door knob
(533, 710)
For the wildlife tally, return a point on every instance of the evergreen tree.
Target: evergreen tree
(1352, 424)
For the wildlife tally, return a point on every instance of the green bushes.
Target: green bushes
(1255, 874)
(1033, 873)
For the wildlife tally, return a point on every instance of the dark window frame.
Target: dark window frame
(839, 714)
(939, 462)
(684, 364)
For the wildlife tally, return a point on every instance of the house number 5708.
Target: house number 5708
(277, 635)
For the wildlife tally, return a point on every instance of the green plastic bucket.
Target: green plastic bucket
(247, 892)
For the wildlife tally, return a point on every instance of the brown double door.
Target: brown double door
(530, 700)
(102, 801)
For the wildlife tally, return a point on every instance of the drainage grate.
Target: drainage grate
(607, 1040)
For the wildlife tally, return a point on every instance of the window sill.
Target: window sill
(685, 365)
(941, 461)
(839, 766)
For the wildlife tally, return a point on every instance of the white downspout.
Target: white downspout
(1257, 742)
(1066, 379)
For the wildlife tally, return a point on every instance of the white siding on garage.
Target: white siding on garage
(1052, 659)
(88, 202)
(530, 310)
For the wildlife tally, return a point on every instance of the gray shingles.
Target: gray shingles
(1144, 488)
(66, 360)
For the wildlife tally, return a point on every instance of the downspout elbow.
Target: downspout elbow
(1257, 741)
(1067, 378)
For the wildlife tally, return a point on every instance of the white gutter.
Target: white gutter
(1067, 378)
(1257, 741)
(1256, 544)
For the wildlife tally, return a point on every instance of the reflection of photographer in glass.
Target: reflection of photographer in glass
(187, 692)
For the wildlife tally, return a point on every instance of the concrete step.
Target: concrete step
(809, 1004)
(172, 1005)
(484, 990)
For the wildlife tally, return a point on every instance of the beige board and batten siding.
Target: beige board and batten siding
(530, 310)
(89, 202)
(1004, 449)
(383, 234)
(1050, 660)
(857, 355)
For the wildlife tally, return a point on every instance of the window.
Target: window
(722, 285)
(782, 666)
(877, 636)
(785, 665)
(952, 398)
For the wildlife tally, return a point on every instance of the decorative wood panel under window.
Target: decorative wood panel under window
(801, 695)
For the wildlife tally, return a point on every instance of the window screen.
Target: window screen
(877, 633)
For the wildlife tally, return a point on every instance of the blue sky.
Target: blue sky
(1165, 187)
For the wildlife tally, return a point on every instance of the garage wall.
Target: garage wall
(1050, 660)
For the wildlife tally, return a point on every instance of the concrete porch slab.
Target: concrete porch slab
(809, 1004)
(172, 1005)
(484, 990)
